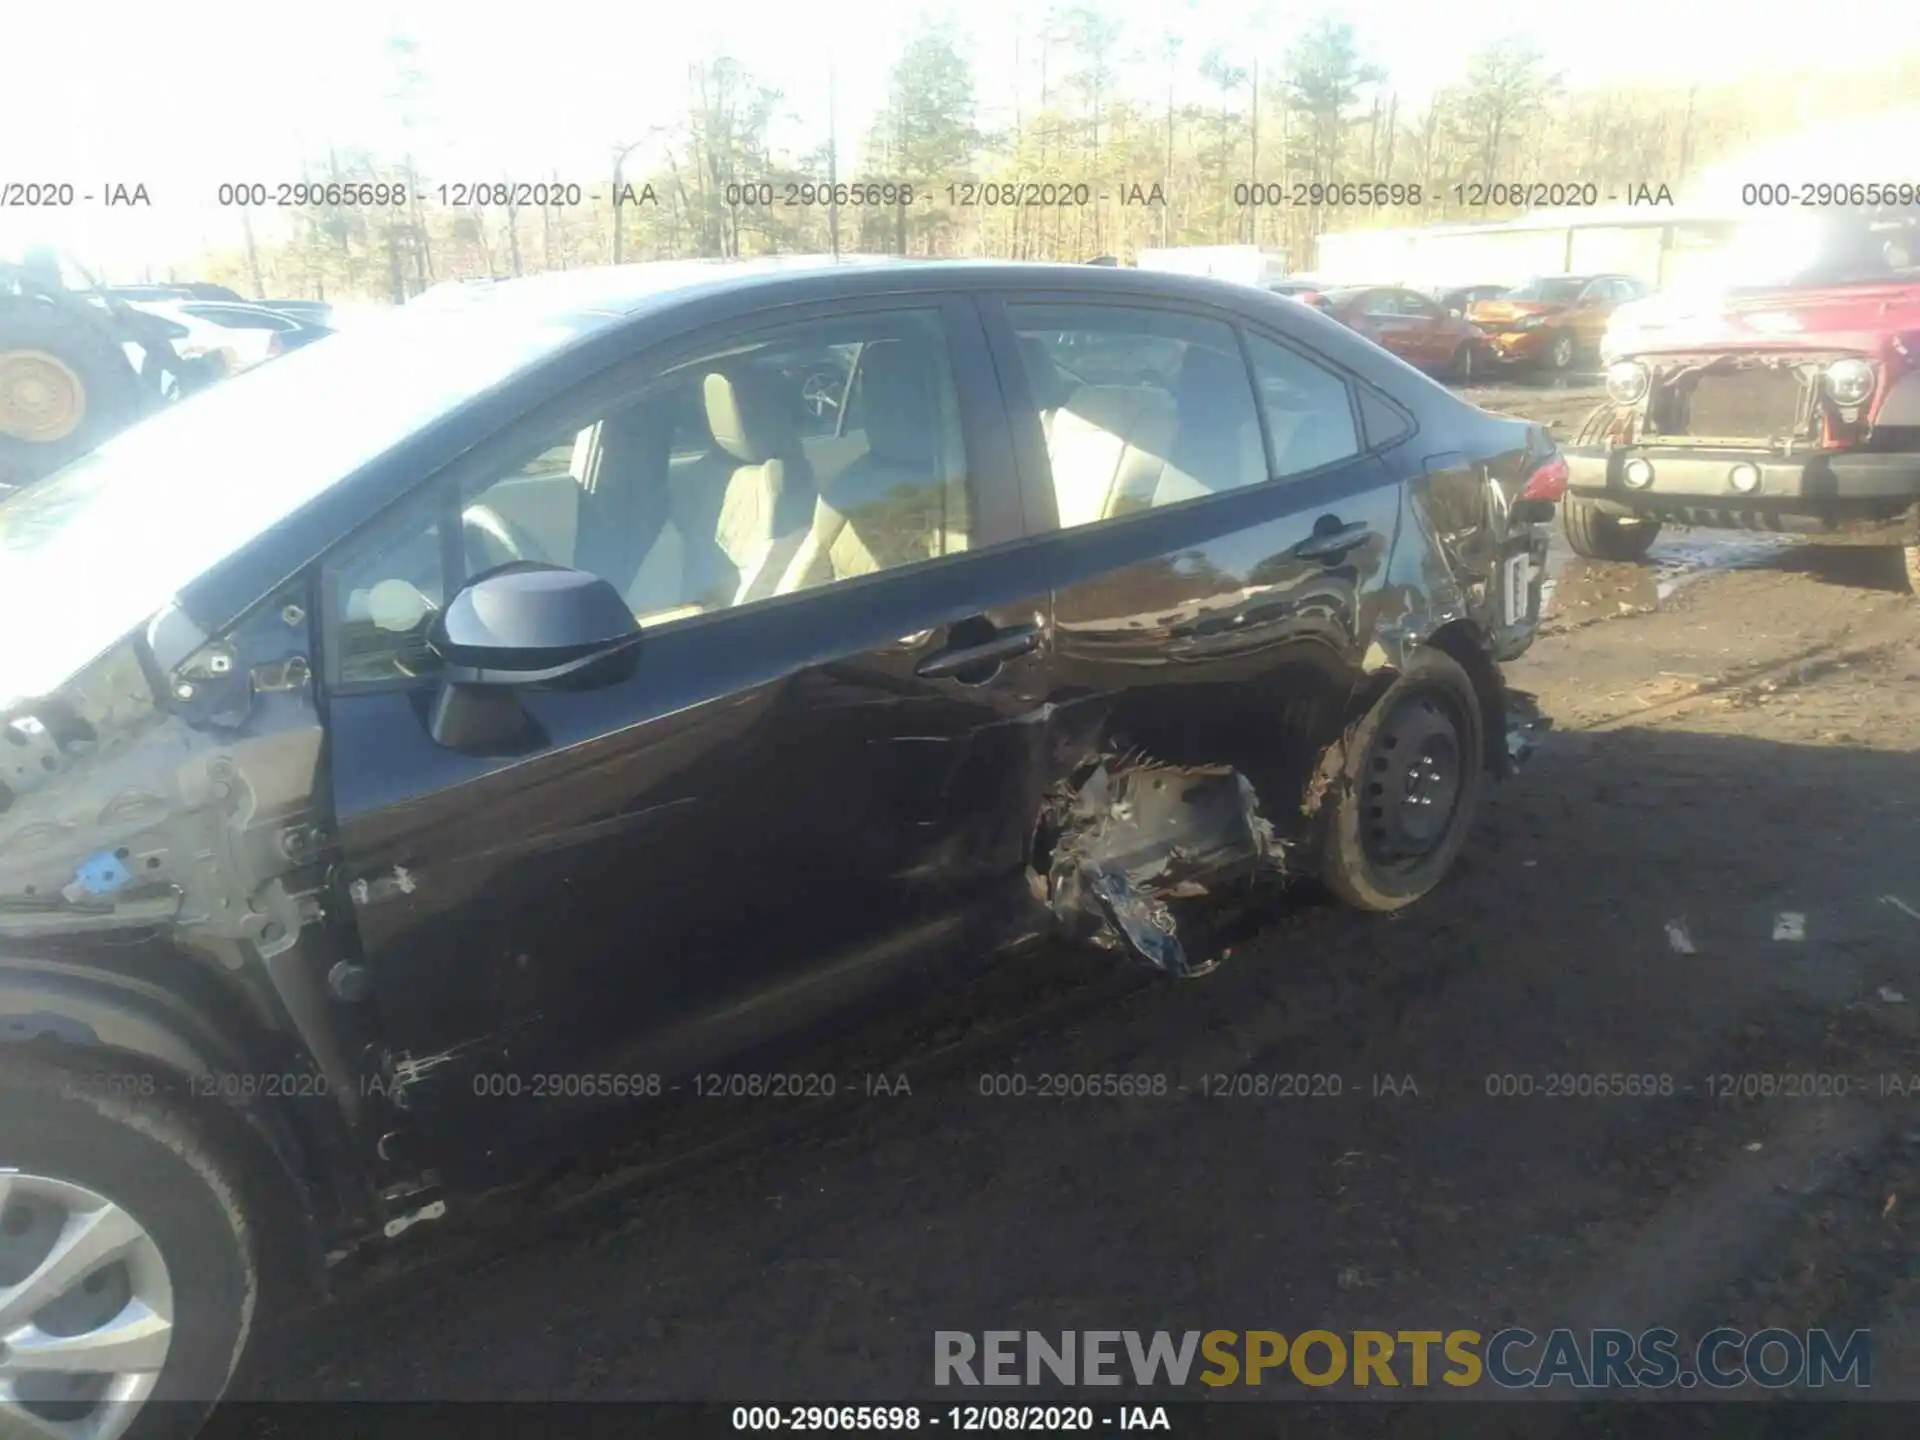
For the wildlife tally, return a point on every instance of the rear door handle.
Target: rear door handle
(1018, 640)
(1332, 543)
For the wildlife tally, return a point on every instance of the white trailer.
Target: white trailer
(1246, 264)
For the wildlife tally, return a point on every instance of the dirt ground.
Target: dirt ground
(1738, 739)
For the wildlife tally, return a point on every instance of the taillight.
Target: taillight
(1548, 483)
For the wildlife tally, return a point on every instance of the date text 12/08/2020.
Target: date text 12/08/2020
(1029, 1419)
(959, 194)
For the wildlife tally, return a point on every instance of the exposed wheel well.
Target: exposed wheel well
(291, 1258)
(1463, 641)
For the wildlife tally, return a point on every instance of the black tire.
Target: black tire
(1462, 370)
(153, 1161)
(110, 386)
(1599, 536)
(1362, 857)
(1562, 352)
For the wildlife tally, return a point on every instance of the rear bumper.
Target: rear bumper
(1838, 495)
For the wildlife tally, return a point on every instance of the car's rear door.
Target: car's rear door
(808, 783)
(1216, 549)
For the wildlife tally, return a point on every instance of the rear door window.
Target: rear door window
(1140, 408)
(1308, 407)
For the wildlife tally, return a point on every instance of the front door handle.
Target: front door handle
(1331, 540)
(1017, 640)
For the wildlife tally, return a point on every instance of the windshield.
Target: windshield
(105, 542)
(1832, 248)
(1550, 290)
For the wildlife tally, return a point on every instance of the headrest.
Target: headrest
(753, 416)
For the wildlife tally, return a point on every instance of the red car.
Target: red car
(1786, 397)
(1412, 326)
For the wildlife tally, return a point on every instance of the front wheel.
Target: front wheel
(127, 1269)
(1461, 371)
(1913, 569)
(1595, 535)
(1560, 355)
(1408, 780)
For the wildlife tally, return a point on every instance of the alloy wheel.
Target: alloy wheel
(86, 1311)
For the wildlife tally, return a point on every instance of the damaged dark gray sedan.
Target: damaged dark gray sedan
(455, 735)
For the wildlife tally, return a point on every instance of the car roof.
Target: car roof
(627, 291)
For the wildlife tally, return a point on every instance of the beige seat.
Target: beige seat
(736, 521)
(894, 505)
(1216, 443)
(1107, 445)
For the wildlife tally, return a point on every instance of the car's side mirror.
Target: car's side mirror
(518, 625)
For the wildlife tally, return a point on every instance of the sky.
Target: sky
(183, 100)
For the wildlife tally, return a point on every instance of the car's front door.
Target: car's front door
(804, 782)
(1216, 549)
(1387, 324)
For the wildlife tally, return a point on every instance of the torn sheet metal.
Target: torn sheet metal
(1134, 838)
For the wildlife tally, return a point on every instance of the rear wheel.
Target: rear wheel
(1411, 772)
(1599, 536)
(127, 1271)
(64, 388)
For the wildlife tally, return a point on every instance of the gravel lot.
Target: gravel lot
(1738, 736)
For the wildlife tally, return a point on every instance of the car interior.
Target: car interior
(1117, 449)
(718, 488)
(730, 482)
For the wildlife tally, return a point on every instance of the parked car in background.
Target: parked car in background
(313, 312)
(1458, 298)
(1554, 321)
(1785, 397)
(239, 337)
(186, 290)
(1409, 324)
(417, 763)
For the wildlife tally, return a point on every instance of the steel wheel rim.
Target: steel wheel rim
(86, 1310)
(1563, 352)
(41, 398)
(1413, 780)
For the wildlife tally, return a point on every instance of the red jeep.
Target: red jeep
(1785, 398)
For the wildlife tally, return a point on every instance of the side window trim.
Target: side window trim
(983, 429)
